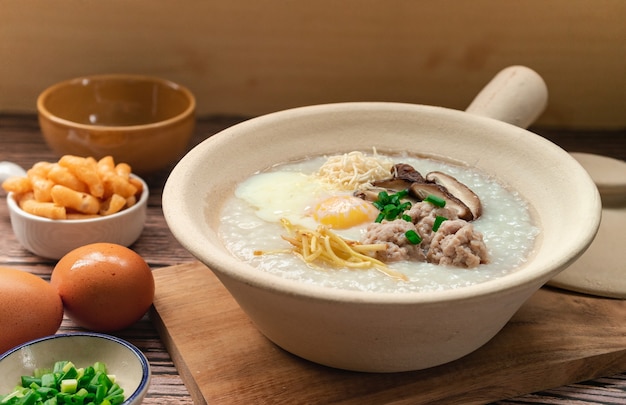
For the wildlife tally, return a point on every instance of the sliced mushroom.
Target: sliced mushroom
(459, 190)
(392, 184)
(369, 194)
(407, 172)
(423, 190)
(457, 195)
(402, 176)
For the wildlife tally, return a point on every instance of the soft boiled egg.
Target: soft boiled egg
(344, 211)
(306, 201)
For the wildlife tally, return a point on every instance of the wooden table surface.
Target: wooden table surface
(21, 142)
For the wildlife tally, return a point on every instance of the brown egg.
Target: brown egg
(30, 308)
(105, 287)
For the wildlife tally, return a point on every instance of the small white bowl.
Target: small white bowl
(53, 238)
(129, 364)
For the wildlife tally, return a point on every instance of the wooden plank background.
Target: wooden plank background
(251, 57)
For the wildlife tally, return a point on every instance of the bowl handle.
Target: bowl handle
(517, 95)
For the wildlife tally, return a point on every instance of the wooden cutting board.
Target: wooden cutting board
(555, 339)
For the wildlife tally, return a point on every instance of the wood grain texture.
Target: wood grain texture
(248, 57)
(21, 142)
(556, 338)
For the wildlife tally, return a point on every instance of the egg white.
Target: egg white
(293, 196)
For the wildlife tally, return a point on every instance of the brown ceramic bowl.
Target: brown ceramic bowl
(384, 331)
(144, 121)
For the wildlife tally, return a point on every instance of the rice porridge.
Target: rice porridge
(253, 221)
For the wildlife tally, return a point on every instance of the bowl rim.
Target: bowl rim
(189, 111)
(138, 354)
(143, 201)
(232, 266)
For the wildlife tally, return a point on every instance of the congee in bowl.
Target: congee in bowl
(323, 221)
(244, 200)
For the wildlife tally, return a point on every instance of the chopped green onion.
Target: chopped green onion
(66, 384)
(58, 366)
(69, 386)
(438, 221)
(413, 237)
(391, 206)
(99, 366)
(28, 380)
(436, 201)
(70, 373)
(40, 372)
(101, 392)
(48, 380)
(68, 366)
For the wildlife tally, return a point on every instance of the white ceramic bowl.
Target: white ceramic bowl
(129, 364)
(53, 238)
(384, 332)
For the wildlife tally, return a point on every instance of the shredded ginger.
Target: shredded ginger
(325, 246)
(352, 170)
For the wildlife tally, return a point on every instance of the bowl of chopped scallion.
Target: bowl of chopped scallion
(75, 368)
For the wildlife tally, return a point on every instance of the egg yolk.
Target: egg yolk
(342, 212)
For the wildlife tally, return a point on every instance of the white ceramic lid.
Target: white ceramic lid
(601, 270)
